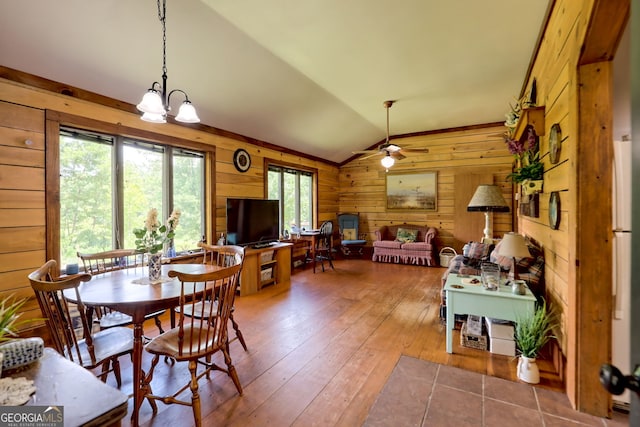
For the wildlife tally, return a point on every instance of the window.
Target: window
(294, 189)
(108, 184)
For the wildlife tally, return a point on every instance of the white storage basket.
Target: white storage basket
(446, 255)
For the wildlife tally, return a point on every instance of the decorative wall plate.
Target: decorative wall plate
(555, 140)
(241, 160)
(554, 210)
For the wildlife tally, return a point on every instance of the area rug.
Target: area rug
(422, 393)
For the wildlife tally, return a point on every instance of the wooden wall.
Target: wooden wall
(22, 174)
(573, 74)
(22, 200)
(474, 150)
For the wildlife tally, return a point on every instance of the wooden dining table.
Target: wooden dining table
(120, 290)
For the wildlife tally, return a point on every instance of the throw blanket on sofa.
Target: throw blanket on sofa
(405, 244)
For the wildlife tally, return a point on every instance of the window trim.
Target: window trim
(314, 182)
(54, 120)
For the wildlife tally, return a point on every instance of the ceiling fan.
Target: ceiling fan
(391, 152)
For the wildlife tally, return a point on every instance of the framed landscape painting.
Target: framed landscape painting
(412, 191)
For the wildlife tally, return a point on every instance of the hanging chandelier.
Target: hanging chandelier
(155, 103)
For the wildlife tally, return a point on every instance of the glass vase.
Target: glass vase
(155, 267)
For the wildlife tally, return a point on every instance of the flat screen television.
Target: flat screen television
(252, 222)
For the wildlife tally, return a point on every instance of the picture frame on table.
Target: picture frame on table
(411, 191)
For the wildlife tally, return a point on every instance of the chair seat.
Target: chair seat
(116, 318)
(199, 308)
(167, 344)
(353, 242)
(106, 343)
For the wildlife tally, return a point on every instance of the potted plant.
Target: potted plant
(529, 167)
(16, 352)
(531, 333)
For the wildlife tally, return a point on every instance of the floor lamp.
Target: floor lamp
(487, 199)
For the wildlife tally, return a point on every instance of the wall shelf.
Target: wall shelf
(533, 116)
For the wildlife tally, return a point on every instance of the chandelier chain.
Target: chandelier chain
(162, 16)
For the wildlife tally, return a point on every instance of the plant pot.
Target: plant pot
(530, 186)
(528, 370)
(19, 352)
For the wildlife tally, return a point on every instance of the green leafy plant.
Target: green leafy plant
(9, 316)
(532, 169)
(532, 332)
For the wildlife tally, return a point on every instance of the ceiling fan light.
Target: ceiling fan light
(154, 118)
(187, 113)
(387, 161)
(151, 103)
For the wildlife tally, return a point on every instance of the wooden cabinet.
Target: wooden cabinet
(265, 266)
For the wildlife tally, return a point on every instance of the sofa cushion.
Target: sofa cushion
(406, 235)
(417, 246)
(390, 244)
(477, 250)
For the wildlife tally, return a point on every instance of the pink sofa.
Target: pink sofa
(422, 251)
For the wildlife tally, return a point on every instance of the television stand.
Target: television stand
(251, 280)
(262, 245)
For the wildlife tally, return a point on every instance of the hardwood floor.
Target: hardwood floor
(321, 351)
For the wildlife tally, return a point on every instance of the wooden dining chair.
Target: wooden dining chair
(324, 247)
(105, 262)
(196, 338)
(222, 256)
(70, 329)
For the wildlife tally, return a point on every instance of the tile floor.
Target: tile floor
(422, 393)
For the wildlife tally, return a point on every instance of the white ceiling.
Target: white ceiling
(308, 75)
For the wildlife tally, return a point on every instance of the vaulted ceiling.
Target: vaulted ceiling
(307, 75)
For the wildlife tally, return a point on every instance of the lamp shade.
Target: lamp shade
(154, 118)
(187, 113)
(487, 198)
(151, 103)
(514, 246)
(387, 161)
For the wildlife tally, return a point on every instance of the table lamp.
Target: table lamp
(514, 246)
(487, 199)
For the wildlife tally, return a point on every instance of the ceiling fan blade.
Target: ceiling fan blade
(416, 150)
(398, 155)
(377, 153)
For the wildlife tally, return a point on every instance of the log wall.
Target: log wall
(466, 151)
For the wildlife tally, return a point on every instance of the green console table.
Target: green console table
(466, 298)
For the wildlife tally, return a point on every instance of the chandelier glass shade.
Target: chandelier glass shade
(387, 161)
(155, 103)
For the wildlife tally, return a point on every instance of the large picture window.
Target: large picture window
(108, 183)
(294, 189)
